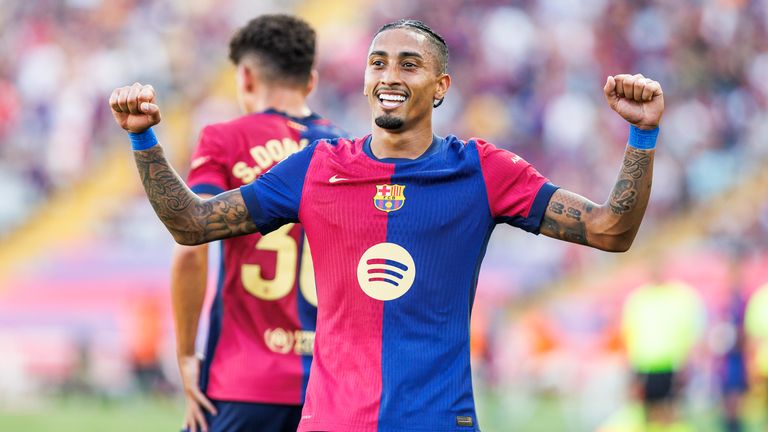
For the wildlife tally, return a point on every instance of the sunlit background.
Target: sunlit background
(84, 263)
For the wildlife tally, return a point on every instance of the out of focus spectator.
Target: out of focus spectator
(61, 59)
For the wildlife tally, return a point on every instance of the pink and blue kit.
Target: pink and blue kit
(397, 246)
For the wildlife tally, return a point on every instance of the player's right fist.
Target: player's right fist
(134, 107)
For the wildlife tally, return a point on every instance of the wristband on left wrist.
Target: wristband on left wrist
(641, 138)
(142, 140)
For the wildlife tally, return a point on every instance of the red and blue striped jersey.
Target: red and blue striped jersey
(397, 247)
(263, 316)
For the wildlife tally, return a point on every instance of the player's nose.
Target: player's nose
(390, 75)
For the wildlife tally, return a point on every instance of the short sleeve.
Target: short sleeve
(273, 199)
(208, 173)
(517, 193)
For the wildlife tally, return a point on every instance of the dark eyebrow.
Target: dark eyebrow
(400, 54)
(410, 54)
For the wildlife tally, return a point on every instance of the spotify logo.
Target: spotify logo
(386, 271)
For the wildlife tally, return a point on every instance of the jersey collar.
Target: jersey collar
(302, 120)
(434, 147)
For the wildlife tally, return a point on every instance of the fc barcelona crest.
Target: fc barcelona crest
(389, 198)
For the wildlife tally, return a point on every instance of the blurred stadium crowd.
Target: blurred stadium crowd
(527, 75)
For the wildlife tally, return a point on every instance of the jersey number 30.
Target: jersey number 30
(281, 242)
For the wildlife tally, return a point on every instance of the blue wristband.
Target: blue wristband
(143, 140)
(642, 139)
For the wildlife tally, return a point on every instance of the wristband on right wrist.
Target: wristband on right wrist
(142, 140)
(641, 138)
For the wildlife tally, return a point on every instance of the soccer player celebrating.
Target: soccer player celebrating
(261, 332)
(398, 222)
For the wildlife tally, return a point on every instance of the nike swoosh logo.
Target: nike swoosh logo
(336, 179)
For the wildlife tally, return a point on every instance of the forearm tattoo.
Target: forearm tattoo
(627, 188)
(191, 219)
(623, 196)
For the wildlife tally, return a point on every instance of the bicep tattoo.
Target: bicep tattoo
(563, 218)
(224, 216)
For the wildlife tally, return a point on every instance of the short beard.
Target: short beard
(388, 121)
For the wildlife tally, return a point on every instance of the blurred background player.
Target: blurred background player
(661, 322)
(262, 321)
(730, 346)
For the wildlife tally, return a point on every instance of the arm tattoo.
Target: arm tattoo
(550, 225)
(556, 207)
(576, 233)
(573, 213)
(636, 163)
(613, 225)
(624, 195)
(190, 219)
(563, 220)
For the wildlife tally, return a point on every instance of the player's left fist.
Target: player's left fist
(639, 100)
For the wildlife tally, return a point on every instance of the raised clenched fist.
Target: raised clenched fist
(639, 100)
(134, 107)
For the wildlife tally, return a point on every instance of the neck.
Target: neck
(407, 144)
(287, 100)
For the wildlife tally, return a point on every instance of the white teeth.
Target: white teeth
(391, 97)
